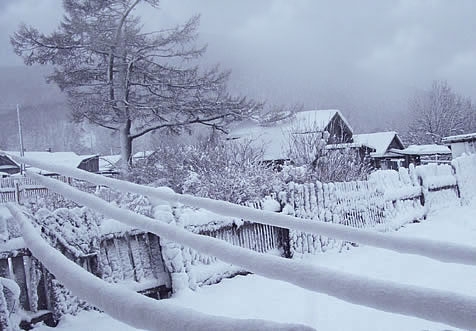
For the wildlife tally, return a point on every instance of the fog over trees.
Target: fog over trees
(439, 112)
(129, 81)
(280, 53)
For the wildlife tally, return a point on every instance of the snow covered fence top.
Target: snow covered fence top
(442, 306)
(442, 251)
(128, 306)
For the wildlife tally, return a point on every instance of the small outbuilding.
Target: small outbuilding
(423, 154)
(461, 144)
(383, 143)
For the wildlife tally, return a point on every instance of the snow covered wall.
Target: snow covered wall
(465, 167)
(439, 185)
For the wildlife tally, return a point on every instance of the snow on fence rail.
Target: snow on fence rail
(125, 305)
(445, 252)
(118, 254)
(442, 306)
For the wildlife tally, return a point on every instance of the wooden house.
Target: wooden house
(276, 139)
(461, 144)
(8, 166)
(383, 143)
(70, 159)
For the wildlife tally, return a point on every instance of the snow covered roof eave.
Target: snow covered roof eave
(459, 138)
(415, 152)
(348, 145)
(388, 154)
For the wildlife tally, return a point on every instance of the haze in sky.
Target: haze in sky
(366, 58)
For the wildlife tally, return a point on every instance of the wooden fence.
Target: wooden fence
(134, 258)
(254, 236)
(21, 189)
(387, 201)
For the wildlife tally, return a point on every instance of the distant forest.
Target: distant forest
(45, 116)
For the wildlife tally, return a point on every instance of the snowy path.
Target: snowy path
(256, 297)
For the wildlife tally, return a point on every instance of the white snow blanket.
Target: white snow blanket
(436, 305)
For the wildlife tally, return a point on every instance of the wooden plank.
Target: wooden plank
(113, 259)
(124, 258)
(42, 291)
(163, 273)
(260, 239)
(145, 255)
(19, 273)
(134, 249)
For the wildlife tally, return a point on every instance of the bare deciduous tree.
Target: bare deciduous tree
(439, 112)
(313, 161)
(124, 79)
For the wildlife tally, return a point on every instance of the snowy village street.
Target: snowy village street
(253, 296)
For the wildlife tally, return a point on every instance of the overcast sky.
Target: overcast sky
(364, 57)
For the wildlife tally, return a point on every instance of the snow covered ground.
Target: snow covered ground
(257, 297)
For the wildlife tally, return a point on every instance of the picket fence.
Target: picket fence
(386, 201)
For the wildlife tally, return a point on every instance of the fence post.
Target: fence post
(17, 192)
(422, 196)
(458, 193)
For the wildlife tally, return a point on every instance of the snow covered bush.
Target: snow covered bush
(51, 201)
(75, 229)
(211, 168)
(311, 160)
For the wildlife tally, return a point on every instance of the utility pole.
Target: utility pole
(22, 150)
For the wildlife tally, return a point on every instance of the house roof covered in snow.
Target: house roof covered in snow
(431, 149)
(275, 138)
(67, 159)
(380, 141)
(108, 162)
(459, 138)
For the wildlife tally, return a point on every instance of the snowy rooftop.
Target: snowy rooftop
(275, 138)
(423, 150)
(379, 140)
(460, 138)
(108, 162)
(68, 159)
